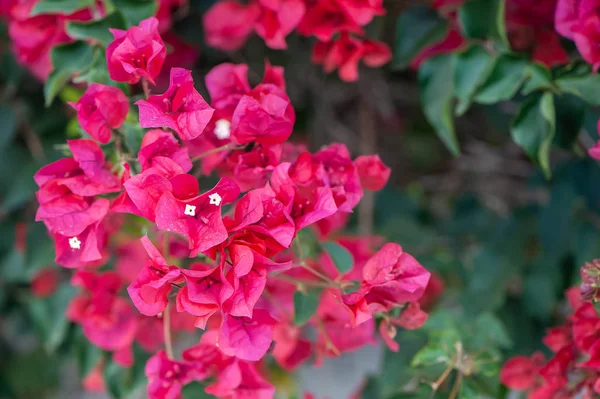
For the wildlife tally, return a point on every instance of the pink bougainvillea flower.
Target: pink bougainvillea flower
(228, 23)
(594, 152)
(395, 277)
(108, 320)
(586, 34)
(251, 169)
(100, 109)
(412, 317)
(346, 52)
(372, 172)
(519, 373)
(69, 215)
(166, 377)
(205, 291)
(325, 18)
(274, 75)
(245, 338)
(44, 282)
(339, 334)
(84, 175)
(152, 285)
(181, 108)
(83, 248)
(264, 115)
(363, 11)
(158, 143)
(342, 175)
(135, 54)
(278, 18)
(234, 378)
(290, 349)
(310, 202)
(227, 83)
(197, 217)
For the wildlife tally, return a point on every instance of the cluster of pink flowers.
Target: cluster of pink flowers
(227, 262)
(574, 368)
(338, 26)
(33, 34)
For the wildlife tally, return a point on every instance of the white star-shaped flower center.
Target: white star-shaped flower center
(74, 243)
(215, 199)
(222, 129)
(190, 210)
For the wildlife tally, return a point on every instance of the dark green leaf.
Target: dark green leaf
(67, 60)
(96, 30)
(504, 81)
(585, 87)
(417, 27)
(133, 136)
(533, 129)
(342, 258)
(305, 305)
(489, 330)
(473, 67)
(431, 354)
(484, 20)
(135, 11)
(60, 6)
(49, 316)
(437, 90)
(570, 114)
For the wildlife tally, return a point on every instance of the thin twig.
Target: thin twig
(225, 147)
(167, 331)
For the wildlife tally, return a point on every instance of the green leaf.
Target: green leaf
(538, 78)
(133, 136)
(473, 67)
(484, 20)
(342, 258)
(87, 354)
(533, 129)
(48, 315)
(67, 59)
(135, 11)
(489, 330)
(96, 30)
(127, 382)
(436, 87)
(429, 355)
(417, 27)
(585, 87)
(194, 390)
(504, 81)
(60, 6)
(305, 305)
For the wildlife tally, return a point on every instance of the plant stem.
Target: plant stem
(167, 331)
(456, 386)
(213, 151)
(146, 88)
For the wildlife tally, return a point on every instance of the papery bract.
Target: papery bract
(100, 109)
(245, 338)
(228, 23)
(135, 54)
(181, 108)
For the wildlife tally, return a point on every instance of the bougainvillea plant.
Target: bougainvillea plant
(209, 247)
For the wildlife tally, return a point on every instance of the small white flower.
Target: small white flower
(222, 129)
(74, 243)
(215, 199)
(190, 210)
